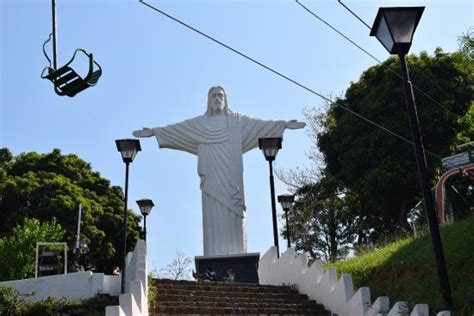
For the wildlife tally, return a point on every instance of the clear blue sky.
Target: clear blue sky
(156, 72)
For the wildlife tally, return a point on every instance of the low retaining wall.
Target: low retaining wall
(338, 296)
(78, 285)
(83, 285)
(135, 300)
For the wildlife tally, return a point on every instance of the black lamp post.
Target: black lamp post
(128, 148)
(394, 28)
(286, 202)
(270, 147)
(145, 206)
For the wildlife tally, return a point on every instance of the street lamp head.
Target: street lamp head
(145, 206)
(128, 148)
(270, 147)
(286, 201)
(394, 27)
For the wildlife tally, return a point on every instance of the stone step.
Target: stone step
(294, 295)
(227, 290)
(219, 298)
(230, 313)
(180, 310)
(255, 304)
(222, 286)
(210, 297)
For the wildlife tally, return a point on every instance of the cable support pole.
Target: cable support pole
(125, 229)
(283, 76)
(53, 8)
(274, 214)
(424, 181)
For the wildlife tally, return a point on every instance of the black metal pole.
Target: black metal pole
(425, 186)
(53, 7)
(125, 217)
(275, 227)
(144, 227)
(287, 229)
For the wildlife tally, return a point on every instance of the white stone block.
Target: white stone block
(341, 295)
(265, 266)
(114, 311)
(380, 307)
(112, 284)
(420, 310)
(399, 309)
(129, 305)
(138, 293)
(360, 302)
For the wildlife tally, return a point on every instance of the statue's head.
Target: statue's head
(217, 102)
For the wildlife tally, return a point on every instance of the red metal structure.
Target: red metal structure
(440, 193)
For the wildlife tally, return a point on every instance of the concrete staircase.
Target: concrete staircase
(218, 298)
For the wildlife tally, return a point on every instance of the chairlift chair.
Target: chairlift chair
(65, 79)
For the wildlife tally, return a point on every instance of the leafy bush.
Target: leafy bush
(11, 304)
(10, 301)
(17, 251)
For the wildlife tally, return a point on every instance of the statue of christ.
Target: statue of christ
(219, 138)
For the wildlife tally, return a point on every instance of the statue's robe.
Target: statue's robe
(219, 141)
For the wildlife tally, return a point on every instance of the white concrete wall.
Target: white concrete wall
(338, 296)
(83, 285)
(78, 285)
(112, 284)
(134, 302)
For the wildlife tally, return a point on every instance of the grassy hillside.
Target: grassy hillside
(405, 270)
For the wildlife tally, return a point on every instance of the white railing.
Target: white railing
(135, 300)
(337, 296)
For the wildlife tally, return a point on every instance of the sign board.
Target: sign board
(458, 160)
(50, 260)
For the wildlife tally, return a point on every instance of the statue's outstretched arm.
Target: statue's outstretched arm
(294, 124)
(145, 132)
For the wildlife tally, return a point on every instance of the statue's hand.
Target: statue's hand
(145, 132)
(294, 124)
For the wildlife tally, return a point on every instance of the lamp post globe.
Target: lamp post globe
(145, 206)
(394, 28)
(270, 147)
(128, 148)
(286, 202)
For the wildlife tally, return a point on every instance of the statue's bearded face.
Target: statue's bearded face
(217, 100)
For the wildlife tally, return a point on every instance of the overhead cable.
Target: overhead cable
(375, 58)
(363, 22)
(282, 75)
(353, 13)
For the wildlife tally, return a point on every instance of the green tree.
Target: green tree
(323, 221)
(44, 186)
(466, 43)
(379, 168)
(17, 251)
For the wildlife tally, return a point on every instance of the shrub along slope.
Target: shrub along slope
(406, 270)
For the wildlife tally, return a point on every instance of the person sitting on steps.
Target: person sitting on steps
(210, 275)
